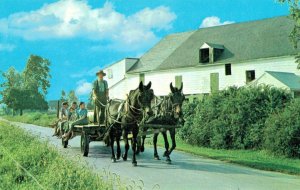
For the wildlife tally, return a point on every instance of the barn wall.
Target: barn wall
(197, 80)
(118, 73)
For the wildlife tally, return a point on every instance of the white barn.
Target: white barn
(209, 59)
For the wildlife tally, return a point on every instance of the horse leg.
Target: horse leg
(143, 143)
(118, 139)
(156, 157)
(138, 149)
(134, 144)
(172, 134)
(125, 138)
(112, 138)
(166, 143)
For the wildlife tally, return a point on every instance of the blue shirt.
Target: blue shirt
(82, 113)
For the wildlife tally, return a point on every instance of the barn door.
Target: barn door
(214, 82)
(178, 80)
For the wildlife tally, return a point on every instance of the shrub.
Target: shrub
(282, 132)
(233, 118)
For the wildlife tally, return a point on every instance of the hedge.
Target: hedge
(234, 118)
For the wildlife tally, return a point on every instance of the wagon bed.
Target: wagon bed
(92, 132)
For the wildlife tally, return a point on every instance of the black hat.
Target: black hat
(65, 103)
(101, 72)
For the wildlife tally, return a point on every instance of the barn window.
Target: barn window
(209, 53)
(109, 73)
(227, 69)
(250, 76)
(204, 55)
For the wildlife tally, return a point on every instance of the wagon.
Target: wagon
(91, 132)
(88, 133)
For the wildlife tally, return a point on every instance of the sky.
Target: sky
(80, 37)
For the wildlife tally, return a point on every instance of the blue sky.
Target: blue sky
(80, 37)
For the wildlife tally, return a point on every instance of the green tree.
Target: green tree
(63, 95)
(37, 74)
(295, 15)
(27, 90)
(11, 88)
(72, 97)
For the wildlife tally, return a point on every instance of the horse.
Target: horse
(169, 111)
(124, 117)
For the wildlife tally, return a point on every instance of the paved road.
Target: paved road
(186, 171)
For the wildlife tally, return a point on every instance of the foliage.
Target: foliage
(282, 132)
(45, 164)
(233, 118)
(27, 90)
(295, 15)
(63, 96)
(36, 74)
(72, 97)
(36, 118)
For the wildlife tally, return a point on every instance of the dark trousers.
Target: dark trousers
(99, 110)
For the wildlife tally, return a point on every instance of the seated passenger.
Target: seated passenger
(63, 119)
(73, 112)
(82, 119)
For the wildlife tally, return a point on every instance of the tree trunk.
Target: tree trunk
(21, 112)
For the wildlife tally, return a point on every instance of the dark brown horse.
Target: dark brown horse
(169, 112)
(123, 118)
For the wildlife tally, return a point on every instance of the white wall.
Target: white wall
(197, 79)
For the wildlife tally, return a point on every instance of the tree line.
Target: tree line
(27, 89)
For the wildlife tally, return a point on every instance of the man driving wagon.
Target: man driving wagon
(100, 97)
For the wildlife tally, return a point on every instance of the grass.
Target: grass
(251, 158)
(27, 163)
(36, 118)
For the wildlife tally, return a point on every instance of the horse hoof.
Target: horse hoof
(134, 164)
(118, 157)
(113, 160)
(124, 158)
(168, 161)
(156, 158)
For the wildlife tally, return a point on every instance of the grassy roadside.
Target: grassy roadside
(251, 158)
(36, 118)
(27, 163)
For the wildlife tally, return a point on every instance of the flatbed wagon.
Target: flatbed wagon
(91, 132)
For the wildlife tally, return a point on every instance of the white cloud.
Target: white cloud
(7, 47)
(213, 21)
(83, 88)
(73, 18)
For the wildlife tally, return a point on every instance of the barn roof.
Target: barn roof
(291, 80)
(242, 42)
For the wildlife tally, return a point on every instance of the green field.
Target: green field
(251, 158)
(27, 163)
(36, 118)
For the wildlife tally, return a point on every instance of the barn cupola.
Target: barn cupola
(209, 52)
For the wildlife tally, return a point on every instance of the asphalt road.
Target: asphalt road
(186, 171)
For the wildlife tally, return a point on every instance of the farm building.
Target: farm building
(211, 59)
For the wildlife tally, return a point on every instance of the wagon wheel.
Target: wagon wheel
(85, 141)
(64, 143)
